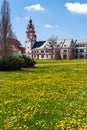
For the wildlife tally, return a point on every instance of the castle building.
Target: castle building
(62, 49)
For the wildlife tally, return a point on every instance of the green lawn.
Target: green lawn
(51, 96)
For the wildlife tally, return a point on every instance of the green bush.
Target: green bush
(11, 63)
(27, 62)
(15, 63)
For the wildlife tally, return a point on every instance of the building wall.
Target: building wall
(67, 51)
(81, 49)
(41, 54)
(16, 53)
(81, 52)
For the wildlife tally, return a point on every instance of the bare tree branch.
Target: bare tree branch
(52, 45)
(5, 29)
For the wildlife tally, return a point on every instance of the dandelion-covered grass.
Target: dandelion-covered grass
(51, 96)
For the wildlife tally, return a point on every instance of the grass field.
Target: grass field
(51, 96)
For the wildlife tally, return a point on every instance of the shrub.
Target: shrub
(15, 63)
(27, 62)
(10, 63)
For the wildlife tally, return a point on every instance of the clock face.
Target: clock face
(30, 37)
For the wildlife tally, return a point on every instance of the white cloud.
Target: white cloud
(36, 7)
(77, 8)
(48, 26)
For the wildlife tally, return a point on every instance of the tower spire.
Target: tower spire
(30, 33)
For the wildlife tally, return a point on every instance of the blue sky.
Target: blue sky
(58, 18)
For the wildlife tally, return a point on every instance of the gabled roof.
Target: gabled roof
(17, 46)
(67, 43)
(14, 48)
(81, 42)
(38, 44)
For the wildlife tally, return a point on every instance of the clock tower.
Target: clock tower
(30, 38)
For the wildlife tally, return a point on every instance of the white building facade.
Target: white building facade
(81, 49)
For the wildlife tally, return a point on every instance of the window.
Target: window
(81, 50)
(42, 56)
(37, 56)
(47, 55)
(42, 51)
(47, 50)
(81, 56)
(65, 56)
(77, 45)
(81, 45)
(65, 51)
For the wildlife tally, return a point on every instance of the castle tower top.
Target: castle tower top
(30, 21)
(30, 33)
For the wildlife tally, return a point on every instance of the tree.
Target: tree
(6, 33)
(54, 47)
